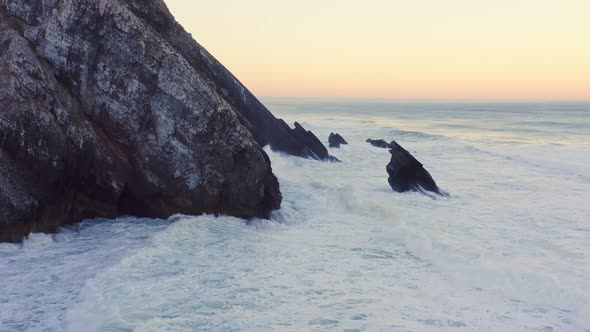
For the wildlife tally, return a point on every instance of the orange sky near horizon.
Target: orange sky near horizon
(399, 49)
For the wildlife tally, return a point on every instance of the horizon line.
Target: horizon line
(426, 99)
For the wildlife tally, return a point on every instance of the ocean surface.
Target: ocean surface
(509, 250)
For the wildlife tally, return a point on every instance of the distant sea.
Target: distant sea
(509, 250)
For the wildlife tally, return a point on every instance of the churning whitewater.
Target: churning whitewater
(507, 251)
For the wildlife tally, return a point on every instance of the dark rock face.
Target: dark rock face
(108, 107)
(315, 148)
(262, 124)
(378, 143)
(406, 173)
(305, 143)
(335, 140)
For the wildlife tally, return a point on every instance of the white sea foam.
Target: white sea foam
(506, 252)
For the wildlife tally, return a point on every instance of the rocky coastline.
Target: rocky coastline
(110, 108)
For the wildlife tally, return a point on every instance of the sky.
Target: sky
(399, 49)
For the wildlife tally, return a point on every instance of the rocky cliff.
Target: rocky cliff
(108, 107)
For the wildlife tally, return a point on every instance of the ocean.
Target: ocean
(508, 250)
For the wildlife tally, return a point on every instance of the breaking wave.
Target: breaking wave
(508, 251)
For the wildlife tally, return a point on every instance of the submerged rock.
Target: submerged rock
(111, 108)
(406, 173)
(378, 143)
(335, 140)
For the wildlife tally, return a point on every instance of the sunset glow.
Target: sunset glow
(505, 49)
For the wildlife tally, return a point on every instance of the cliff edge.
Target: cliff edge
(108, 107)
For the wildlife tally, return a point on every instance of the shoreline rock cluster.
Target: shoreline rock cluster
(111, 108)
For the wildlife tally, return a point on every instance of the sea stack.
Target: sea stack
(111, 108)
(408, 174)
(335, 140)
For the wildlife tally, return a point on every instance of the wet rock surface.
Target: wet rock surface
(110, 108)
(335, 140)
(406, 173)
(305, 143)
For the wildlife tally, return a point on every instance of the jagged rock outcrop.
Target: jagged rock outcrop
(378, 143)
(262, 124)
(334, 140)
(313, 146)
(406, 173)
(108, 107)
(307, 144)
